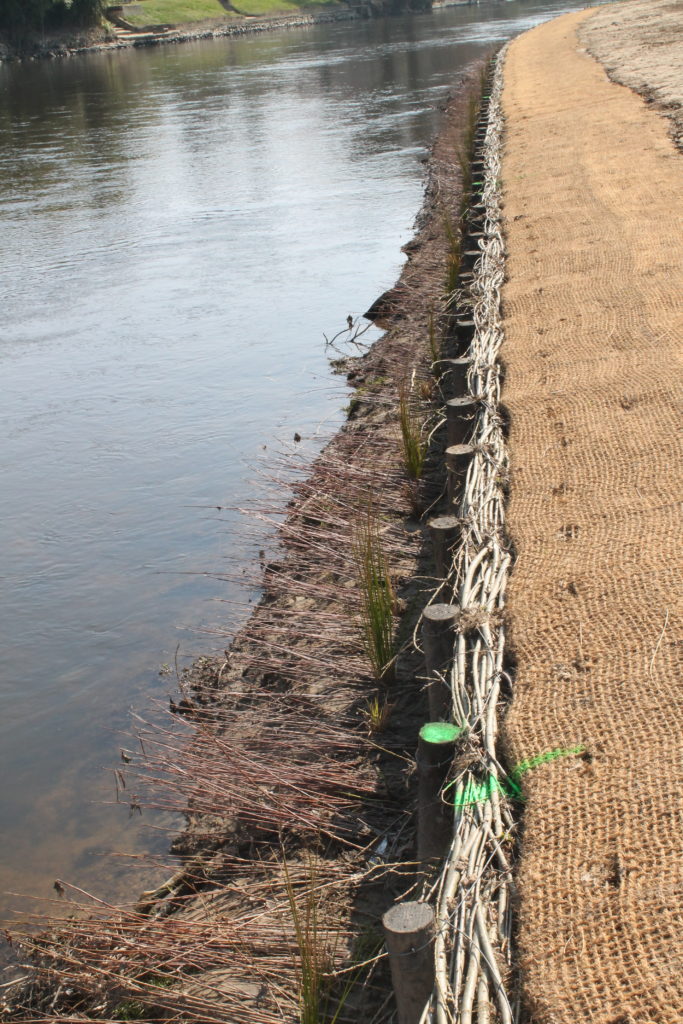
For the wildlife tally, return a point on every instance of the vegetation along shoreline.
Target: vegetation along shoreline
(48, 29)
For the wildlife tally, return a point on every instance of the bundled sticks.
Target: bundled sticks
(474, 891)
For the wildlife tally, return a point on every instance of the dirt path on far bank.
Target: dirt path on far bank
(593, 316)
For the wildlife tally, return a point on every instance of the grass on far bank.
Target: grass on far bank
(181, 12)
(277, 6)
(175, 12)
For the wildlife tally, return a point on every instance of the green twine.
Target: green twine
(477, 792)
(550, 755)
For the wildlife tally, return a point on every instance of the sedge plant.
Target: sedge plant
(414, 446)
(434, 346)
(313, 967)
(318, 1001)
(377, 595)
(453, 254)
(467, 151)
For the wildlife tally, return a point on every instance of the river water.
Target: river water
(180, 226)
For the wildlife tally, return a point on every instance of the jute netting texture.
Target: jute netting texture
(592, 313)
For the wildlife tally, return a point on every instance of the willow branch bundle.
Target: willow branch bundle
(313, 620)
(474, 904)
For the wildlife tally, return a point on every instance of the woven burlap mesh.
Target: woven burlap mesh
(593, 315)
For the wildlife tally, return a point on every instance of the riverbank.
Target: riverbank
(299, 770)
(106, 39)
(331, 78)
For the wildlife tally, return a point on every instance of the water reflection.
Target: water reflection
(180, 225)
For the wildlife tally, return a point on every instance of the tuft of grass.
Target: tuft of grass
(130, 1009)
(413, 494)
(377, 714)
(471, 124)
(434, 346)
(377, 596)
(464, 157)
(160, 981)
(414, 446)
(316, 980)
(453, 254)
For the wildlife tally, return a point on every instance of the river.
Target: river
(180, 226)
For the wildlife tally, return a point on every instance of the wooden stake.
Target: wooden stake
(458, 458)
(444, 531)
(469, 258)
(464, 331)
(460, 413)
(454, 375)
(435, 752)
(438, 621)
(409, 935)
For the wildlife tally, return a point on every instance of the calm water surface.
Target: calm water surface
(179, 226)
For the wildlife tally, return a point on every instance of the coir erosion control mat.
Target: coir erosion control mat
(592, 191)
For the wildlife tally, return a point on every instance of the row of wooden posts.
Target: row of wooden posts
(409, 926)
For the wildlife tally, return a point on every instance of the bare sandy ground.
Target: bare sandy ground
(593, 316)
(641, 45)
